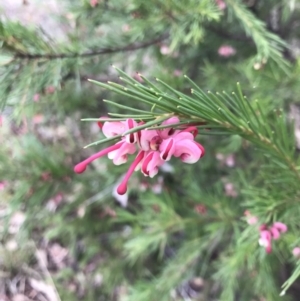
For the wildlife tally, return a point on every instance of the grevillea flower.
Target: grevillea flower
(266, 240)
(154, 147)
(226, 51)
(267, 234)
(221, 4)
(94, 3)
(117, 152)
(161, 145)
(281, 227)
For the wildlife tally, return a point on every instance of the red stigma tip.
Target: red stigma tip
(80, 168)
(122, 189)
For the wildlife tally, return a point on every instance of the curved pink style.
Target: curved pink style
(80, 167)
(122, 188)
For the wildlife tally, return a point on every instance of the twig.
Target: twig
(130, 47)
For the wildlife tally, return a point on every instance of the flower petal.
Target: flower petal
(166, 133)
(188, 151)
(275, 233)
(119, 156)
(266, 240)
(183, 136)
(145, 137)
(167, 149)
(133, 137)
(281, 227)
(114, 128)
(151, 163)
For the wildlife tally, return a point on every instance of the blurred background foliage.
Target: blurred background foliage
(182, 235)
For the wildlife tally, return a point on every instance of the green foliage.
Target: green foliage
(190, 223)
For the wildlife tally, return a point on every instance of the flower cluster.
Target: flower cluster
(153, 147)
(267, 234)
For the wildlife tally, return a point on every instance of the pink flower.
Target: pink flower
(126, 28)
(154, 147)
(137, 76)
(177, 72)
(252, 220)
(151, 164)
(277, 228)
(226, 51)
(266, 240)
(200, 209)
(36, 97)
(117, 152)
(94, 3)
(221, 4)
(230, 160)
(111, 129)
(182, 145)
(165, 50)
(161, 145)
(275, 233)
(281, 227)
(230, 190)
(296, 252)
(269, 233)
(119, 156)
(3, 185)
(38, 118)
(166, 133)
(50, 90)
